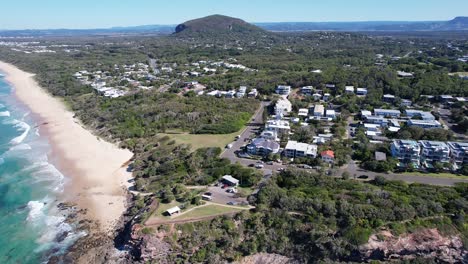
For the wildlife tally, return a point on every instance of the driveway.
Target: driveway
(221, 196)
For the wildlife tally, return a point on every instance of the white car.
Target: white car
(259, 166)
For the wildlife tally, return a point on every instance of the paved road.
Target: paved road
(252, 128)
(353, 168)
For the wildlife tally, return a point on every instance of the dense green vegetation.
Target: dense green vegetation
(164, 164)
(311, 218)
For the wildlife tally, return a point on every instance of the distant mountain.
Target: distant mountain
(217, 24)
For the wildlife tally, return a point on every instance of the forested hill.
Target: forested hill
(217, 24)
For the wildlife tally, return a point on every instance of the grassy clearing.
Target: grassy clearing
(245, 190)
(436, 175)
(163, 208)
(203, 140)
(208, 211)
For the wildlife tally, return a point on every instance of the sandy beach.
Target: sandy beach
(97, 177)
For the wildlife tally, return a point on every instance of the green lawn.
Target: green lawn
(208, 211)
(245, 190)
(163, 207)
(203, 140)
(436, 175)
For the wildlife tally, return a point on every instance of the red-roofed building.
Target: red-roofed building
(328, 156)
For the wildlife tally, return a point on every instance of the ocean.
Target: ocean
(32, 228)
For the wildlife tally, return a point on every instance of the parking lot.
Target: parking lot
(221, 196)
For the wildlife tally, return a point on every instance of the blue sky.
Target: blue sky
(22, 14)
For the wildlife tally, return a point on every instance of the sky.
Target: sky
(46, 14)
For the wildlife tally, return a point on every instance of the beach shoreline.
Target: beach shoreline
(96, 170)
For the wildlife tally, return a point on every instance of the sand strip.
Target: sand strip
(94, 166)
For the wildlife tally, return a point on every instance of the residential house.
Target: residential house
(304, 112)
(406, 151)
(406, 102)
(283, 89)
(365, 113)
(349, 89)
(317, 96)
(241, 92)
(404, 74)
(307, 90)
(446, 98)
(383, 122)
(262, 147)
(361, 91)
(426, 124)
(280, 127)
(252, 93)
(330, 86)
(271, 135)
(296, 149)
(434, 151)
(328, 156)
(283, 107)
(388, 98)
(319, 110)
(387, 112)
(330, 113)
(326, 97)
(421, 114)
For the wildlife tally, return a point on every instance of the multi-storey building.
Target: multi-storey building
(458, 153)
(434, 151)
(296, 149)
(406, 151)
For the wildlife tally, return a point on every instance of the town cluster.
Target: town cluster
(119, 81)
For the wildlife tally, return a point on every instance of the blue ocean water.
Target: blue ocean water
(32, 228)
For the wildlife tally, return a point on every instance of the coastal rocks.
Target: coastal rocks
(154, 249)
(426, 243)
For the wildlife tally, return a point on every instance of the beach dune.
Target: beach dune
(95, 169)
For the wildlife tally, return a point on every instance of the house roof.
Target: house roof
(328, 153)
(173, 210)
(380, 155)
(230, 179)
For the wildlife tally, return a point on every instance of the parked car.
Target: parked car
(307, 167)
(363, 176)
(259, 166)
(232, 203)
(229, 146)
(208, 193)
(231, 190)
(280, 169)
(269, 163)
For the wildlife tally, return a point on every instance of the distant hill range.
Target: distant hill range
(233, 26)
(458, 23)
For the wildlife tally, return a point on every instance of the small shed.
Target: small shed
(229, 180)
(173, 210)
(380, 156)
